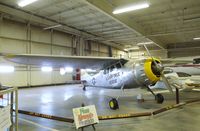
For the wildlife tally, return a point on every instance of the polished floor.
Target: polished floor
(60, 100)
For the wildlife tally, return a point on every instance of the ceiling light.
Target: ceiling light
(46, 69)
(23, 3)
(131, 8)
(144, 43)
(132, 48)
(197, 38)
(7, 69)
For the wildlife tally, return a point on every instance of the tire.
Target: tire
(113, 104)
(159, 98)
(84, 88)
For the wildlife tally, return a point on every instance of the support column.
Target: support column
(28, 51)
(78, 74)
(51, 41)
(110, 51)
(177, 96)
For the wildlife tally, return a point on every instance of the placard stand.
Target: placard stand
(82, 128)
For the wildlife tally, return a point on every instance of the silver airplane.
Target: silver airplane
(114, 73)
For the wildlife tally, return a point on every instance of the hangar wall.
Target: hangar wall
(182, 49)
(23, 38)
(155, 53)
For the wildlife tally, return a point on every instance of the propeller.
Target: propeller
(160, 69)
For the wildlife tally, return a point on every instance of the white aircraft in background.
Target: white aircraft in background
(180, 79)
(113, 73)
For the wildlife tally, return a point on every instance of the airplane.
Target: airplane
(114, 73)
(180, 80)
(190, 69)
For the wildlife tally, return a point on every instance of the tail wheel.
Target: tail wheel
(159, 98)
(113, 103)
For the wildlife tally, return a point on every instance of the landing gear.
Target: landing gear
(84, 88)
(159, 98)
(113, 103)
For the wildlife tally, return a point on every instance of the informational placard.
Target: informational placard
(85, 116)
(5, 121)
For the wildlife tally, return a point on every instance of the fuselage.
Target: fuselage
(114, 79)
(133, 74)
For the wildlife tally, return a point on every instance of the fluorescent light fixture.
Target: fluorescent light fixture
(131, 8)
(53, 26)
(23, 3)
(68, 69)
(145, 43)
(132, 48)
(62, 71)
(6, 69)
(46, 69)
(197, 38)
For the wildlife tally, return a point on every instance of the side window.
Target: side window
(106, 71)
(118, 65)
(111, 68)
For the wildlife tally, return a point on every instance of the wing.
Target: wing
(177, 61)
(63, 61)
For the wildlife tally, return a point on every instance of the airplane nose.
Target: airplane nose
(157, 69)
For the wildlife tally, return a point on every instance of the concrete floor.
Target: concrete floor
(60, 100)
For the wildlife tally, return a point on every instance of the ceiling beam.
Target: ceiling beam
(113, 31)
(106, 8)
(88, 21)
(169, 7)
(168, 19)
(102, 26)
(35, 18)
(68, 10)
(49, 5)
(115, 28)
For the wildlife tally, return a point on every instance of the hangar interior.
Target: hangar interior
(169, 28)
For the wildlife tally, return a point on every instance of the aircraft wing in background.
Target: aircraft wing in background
(82, 62)
(180, 61)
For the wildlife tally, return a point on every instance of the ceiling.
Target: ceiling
(164, 23)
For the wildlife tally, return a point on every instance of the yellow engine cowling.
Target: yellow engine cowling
(148, 70)
(145, 72)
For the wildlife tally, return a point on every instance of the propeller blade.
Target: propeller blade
(166, 83)
(161, 71)
(150, 56)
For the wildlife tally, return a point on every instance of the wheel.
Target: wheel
(159, 98)
(113, 103)
(84, 88)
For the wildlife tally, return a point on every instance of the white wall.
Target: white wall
(20, 38)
